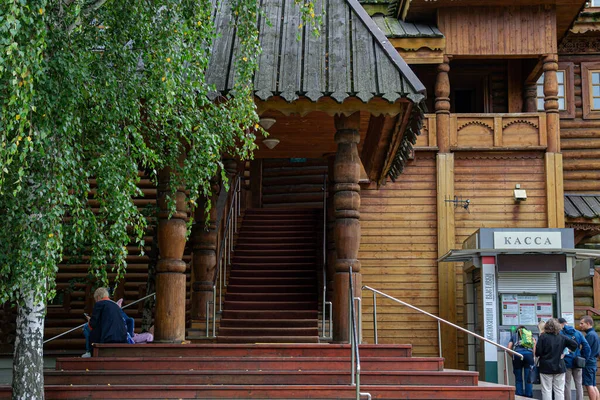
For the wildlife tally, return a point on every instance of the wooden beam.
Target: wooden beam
(303, 106)
(446, 271)
(515, 86)
(256, 182)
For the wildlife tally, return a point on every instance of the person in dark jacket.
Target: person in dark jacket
(589, 372)
(583, 350)
(549, 348)
(106, 325)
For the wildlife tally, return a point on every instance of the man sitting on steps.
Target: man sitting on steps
(106, 325)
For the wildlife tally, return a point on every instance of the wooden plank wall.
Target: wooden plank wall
(398, 254)
(488, 181)
(580, 140)
(508, 31)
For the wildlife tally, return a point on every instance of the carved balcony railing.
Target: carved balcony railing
(518, 131)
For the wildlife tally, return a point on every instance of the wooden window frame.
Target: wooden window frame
(586, 89)
(569, 111)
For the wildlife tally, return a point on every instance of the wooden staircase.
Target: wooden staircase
(272, 292)
(259, 371)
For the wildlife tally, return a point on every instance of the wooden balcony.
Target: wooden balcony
(518, 131)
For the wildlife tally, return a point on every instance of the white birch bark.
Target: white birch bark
(28, 363)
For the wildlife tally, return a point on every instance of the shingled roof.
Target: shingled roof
(350, 58)
(582, 206)
(394, 28)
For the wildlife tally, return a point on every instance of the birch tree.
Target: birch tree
(97, 90)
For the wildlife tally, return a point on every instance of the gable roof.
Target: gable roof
(350, 58)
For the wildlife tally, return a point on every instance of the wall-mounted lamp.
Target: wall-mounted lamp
(270, 143)
(266, 123)
(520, 194)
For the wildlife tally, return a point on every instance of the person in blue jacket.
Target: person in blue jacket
(586, 324)
(583, 350)
(106, 324)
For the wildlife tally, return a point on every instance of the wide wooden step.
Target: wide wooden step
(268, 330)
(237, 350)
(272, 281)
(274, 259)
(272, 273)
(268, 339)
(233, 377)
(249, 363)
(266, 296)
(276, 251)
(269, 305)
(283, 264)
(273, 289)
(269, 314)
(126, 392)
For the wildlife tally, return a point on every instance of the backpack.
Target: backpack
(526, 338)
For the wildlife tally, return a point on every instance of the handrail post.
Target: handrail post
(375, 317)
(324, 273)
(506, 369)
(214, 330)
(440, 338)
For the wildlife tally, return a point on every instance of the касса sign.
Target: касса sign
(527, 240)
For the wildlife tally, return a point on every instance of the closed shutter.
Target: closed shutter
(522, 282)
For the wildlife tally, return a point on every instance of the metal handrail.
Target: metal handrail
(498, 345)
(324, 264)
(354, 339)
(225, 250)
(82, 325)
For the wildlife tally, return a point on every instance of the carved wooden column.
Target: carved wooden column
(346, 203)
(204, 261)
(170, 269)
(551, 102)
(442, 106)
(530, 98)
(553, 158)
(445, 210)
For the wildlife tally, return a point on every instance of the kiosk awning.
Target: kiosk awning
(470, 254)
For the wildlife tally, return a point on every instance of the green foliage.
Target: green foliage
(90, 93)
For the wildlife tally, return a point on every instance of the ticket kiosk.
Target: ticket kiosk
(514, 277)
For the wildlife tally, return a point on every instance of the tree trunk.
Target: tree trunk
(28, 363)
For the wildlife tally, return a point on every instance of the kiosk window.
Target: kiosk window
(519, 309)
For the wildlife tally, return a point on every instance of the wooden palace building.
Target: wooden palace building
(423, 145)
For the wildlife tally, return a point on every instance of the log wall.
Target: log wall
(398, 254)
(580, 138)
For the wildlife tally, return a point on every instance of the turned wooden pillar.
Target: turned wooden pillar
(204, 261)
(346, 204)
(442, 106)
(530, 98)
(170, 268)
(551, 102)
(446, 226)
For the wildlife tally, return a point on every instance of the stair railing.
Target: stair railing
(326, 304)
(224, 256)
(440, 320)
(354, 338)
(85, 323)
